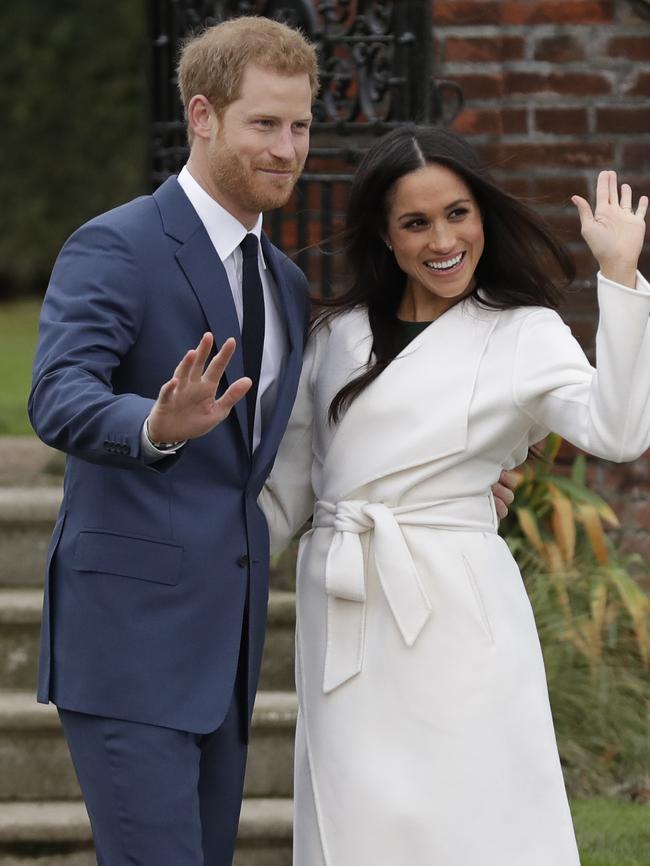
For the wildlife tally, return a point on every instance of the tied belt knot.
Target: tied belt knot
(345, 569)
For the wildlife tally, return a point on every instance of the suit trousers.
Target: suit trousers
(157, 796)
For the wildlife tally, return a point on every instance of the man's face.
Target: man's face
(258, 147)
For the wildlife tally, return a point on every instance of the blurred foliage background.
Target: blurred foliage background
(74, 125)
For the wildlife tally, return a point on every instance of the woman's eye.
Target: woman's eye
(458, 212)
(414, 224)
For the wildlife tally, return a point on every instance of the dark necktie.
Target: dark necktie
(252, 337)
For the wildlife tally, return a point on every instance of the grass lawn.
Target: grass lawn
(612, 833)
(18, 327)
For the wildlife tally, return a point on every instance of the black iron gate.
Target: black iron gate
(377, 70)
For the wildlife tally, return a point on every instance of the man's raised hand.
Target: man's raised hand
(186, 407)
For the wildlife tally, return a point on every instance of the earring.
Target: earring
(389, 247)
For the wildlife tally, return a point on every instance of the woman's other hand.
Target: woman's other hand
(615, 231)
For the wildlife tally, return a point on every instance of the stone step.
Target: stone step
(27, 516)
(20, 616)
(58, 834)
(36, 764)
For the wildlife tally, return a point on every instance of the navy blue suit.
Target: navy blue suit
(151, 567)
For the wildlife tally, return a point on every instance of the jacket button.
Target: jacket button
(242, 562)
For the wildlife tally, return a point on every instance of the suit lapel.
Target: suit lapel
(207, 277)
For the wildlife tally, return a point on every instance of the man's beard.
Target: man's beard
(244, 185)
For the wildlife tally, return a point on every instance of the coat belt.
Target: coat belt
(345, 572)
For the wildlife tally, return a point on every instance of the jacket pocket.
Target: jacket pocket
(128, 556)
(480, 604)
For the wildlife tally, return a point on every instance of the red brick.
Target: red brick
(637, 543)
(639, 86)
(473, 121)
(558, 190)
(485, 50)
(517, 186)
(623, 121)
(557, 11)
(576, 83)
(559, 49)
(630, 47)
(514, 120)
(480, 86)
(636, 156)
(637, 513)
(565, 224)
(562, 121)
(466, 12)
(586, 268)
(573, 154)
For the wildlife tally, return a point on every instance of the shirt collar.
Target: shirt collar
(225, 230)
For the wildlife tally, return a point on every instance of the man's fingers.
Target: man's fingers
(501, 509)
(184, 366)
(503, 493)
(166, 392)
(218, 364)
(201, 355)
(233, 394)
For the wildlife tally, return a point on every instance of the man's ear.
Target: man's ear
(201, 116)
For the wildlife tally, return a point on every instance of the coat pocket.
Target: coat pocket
(480, 604)
(128, 556)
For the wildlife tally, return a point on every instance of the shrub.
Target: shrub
(593, 616)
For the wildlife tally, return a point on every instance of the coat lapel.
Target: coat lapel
(207, 277)
(417, 409)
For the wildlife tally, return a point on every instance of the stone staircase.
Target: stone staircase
(43, 821)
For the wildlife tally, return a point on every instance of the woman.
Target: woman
(425, 735)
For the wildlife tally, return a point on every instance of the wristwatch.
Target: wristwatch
(163, 446)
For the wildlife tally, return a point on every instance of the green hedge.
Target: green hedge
(74, 116)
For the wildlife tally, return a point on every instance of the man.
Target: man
(157, 580)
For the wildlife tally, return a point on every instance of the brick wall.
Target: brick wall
(554, 91)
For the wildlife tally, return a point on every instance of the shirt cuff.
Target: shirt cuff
(152, 452)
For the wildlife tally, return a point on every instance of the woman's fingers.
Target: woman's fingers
(584, 210)
(642, 208)
(612, 182)
(626, 197)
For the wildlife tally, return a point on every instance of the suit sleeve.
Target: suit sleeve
(90, 319)
(605, 410)
(287, 498)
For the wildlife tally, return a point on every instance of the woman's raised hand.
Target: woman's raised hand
(615, 230)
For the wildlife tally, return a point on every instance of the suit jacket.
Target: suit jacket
(150, 566)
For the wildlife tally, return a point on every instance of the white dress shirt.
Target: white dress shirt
(226, 234)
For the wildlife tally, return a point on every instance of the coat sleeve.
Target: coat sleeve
(603, 410)
(287, 498)
(90, 319)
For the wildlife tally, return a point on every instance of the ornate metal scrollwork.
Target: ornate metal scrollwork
(377, 70)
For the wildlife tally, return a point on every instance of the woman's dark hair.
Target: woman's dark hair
(517, 267)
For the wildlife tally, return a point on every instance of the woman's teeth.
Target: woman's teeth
(446, 265)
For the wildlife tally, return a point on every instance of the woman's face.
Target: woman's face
(435, 228)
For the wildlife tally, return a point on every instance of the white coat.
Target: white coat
(425, 735)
